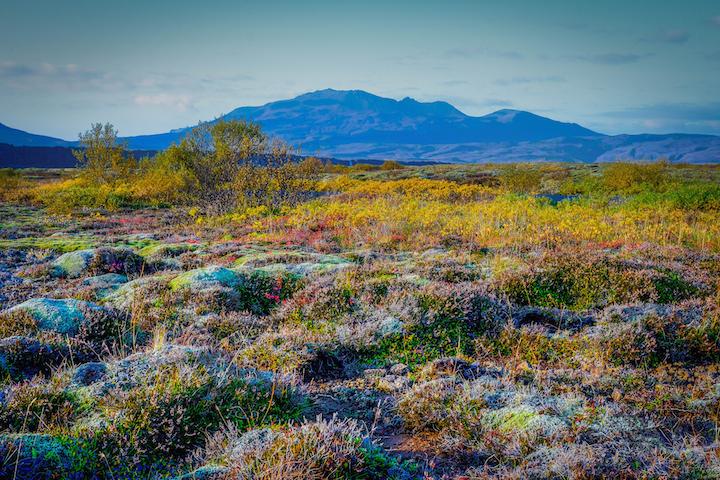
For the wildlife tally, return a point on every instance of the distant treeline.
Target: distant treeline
(46, 157)
(61, 157)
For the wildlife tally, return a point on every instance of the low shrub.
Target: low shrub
(320, 450)
(520, 178)
(635, 177)
(40, 407)
(154, 426)
(445, 322)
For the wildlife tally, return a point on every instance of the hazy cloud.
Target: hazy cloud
(673, 36)
(612, 58)
(530, 80)
(453, 83)
(165, 89)
(495, 102)
(691, 111)
(484, 52)
(679, 117)
(178, 102)
(26, 75)
(403, 59)
(715, 20)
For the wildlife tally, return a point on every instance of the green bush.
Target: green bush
(445, 323)
(521, 178)
(156, 425)
(683, 196)
(635, 177)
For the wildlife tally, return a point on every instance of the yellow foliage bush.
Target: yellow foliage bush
(14, 187)
(419, 188)
(521, 178)
(412, 222)
(161, 182)
(633, 177)
(68, 195)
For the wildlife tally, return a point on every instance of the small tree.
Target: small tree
(101, 157)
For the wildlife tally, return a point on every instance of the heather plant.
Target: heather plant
(260, 292)
(41, 406)
(579, 281)
(445, 322)
(479, 329)
(153, 425)
(317, 450)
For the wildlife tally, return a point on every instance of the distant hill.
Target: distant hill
(13, 136)
(358, 125)
(678, 148)
(331, 122)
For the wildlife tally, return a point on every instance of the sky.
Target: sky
(644, 66)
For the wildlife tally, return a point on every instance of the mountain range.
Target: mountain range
(353, 124)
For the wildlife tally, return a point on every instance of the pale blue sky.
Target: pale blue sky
(147, 67)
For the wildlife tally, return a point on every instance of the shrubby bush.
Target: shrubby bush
(14, 186)
(521, 178)
(685, 197)
(390, 165)
(68, 196)
(633, 177)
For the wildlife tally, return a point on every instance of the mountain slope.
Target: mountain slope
(678, 148)
(13, 136)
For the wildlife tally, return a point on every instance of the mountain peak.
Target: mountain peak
(327, 93)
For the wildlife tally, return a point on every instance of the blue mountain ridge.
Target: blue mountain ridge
(354, 124)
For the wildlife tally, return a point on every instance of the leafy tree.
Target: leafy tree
(214, 153)
(102, 159)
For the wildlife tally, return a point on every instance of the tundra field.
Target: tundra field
(437, 322)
